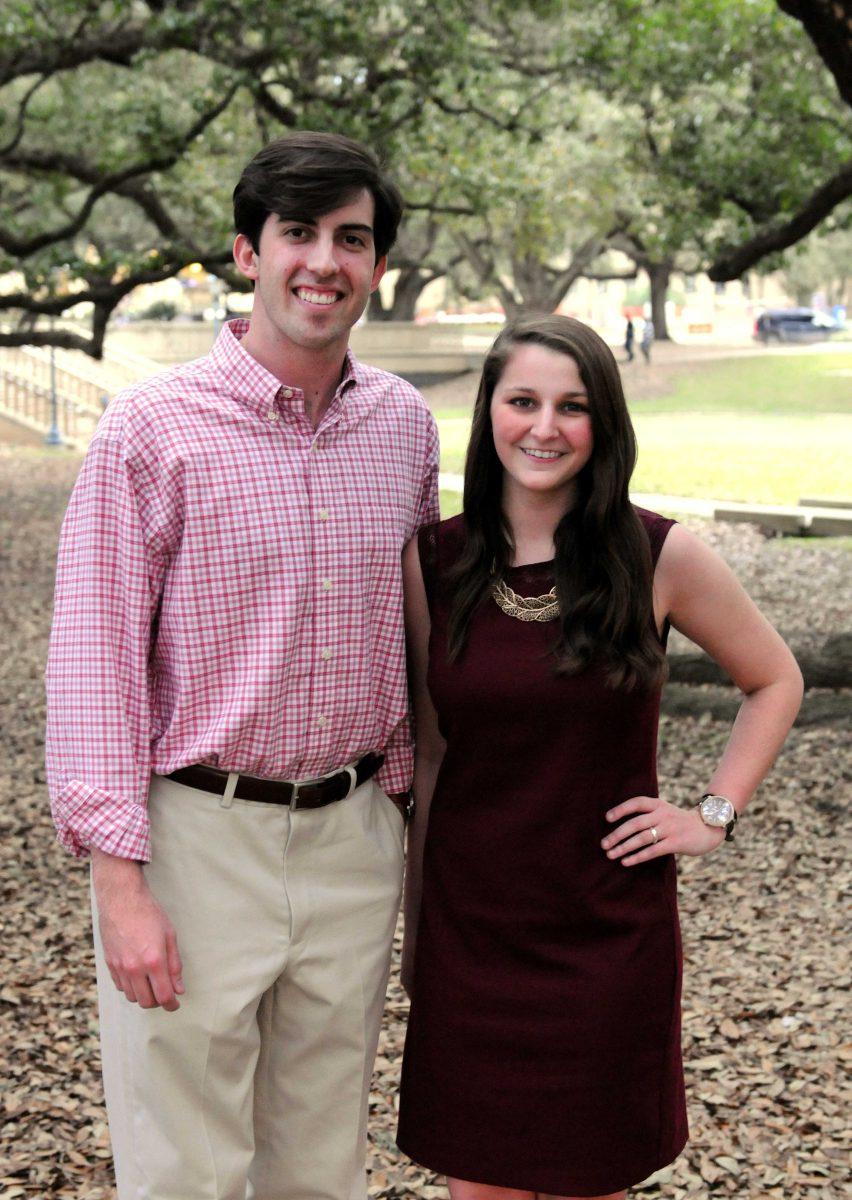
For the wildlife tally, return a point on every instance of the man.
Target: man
(227, 731)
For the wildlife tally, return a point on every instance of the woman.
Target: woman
(543, 1052)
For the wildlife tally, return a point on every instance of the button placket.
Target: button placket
(324, 617)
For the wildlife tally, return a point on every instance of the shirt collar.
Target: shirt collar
(252, 384)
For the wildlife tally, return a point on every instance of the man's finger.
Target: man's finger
(145, 993)
(124, 984)
(174, 964)
(162, 987)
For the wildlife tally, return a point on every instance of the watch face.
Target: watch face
(716, 811)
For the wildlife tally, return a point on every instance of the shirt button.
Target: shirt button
(323, 514)
(272, 415)
(326, 585)
(325, 654)
(322, 722)
(287, 392)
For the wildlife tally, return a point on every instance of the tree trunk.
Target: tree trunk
(659, 275)
(828, 667)
(723, 703)
(376, 310)
(541, 288)
(410, 282)
(538, 300)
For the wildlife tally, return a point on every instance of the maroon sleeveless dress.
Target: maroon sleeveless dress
(543, 1047)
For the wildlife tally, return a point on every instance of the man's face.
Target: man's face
(312, 278)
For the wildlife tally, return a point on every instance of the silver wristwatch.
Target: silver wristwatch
(718, 813)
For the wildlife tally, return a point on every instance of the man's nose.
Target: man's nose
(322, 259)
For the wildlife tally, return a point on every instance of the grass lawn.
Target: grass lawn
(764, 430)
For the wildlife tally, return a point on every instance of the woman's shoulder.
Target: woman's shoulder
(657, 528)
(439, 545)
(443, 537)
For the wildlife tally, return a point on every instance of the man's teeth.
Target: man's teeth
(542, 453)
(316, 297)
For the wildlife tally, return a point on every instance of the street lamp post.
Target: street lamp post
(53, 437)
(216, 294)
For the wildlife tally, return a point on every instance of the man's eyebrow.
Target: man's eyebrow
(351, 227)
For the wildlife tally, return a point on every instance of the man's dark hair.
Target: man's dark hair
(304, 175)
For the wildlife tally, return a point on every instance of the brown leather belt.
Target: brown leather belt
(310, 793)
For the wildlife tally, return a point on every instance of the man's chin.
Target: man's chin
(313, 338)
(327, 328)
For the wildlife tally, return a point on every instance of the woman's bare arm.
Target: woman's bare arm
(702, 598)
(429, 745)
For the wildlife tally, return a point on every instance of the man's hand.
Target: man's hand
(140, 945)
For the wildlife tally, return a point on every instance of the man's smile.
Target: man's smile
(312, 296)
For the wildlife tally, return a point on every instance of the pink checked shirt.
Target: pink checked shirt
(229, 588)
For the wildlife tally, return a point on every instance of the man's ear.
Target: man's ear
(245, 256)
(378, 271)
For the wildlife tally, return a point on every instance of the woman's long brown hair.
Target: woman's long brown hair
(602, 563)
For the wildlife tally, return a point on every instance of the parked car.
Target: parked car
(794, 325)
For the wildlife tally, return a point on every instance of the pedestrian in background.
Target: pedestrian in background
(647, 339)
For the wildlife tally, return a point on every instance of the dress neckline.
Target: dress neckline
(533, 565)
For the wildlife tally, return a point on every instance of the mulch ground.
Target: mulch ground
(763, 920)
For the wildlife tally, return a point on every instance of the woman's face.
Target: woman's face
(541, 421)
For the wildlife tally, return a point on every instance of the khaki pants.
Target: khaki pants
(258, 1086)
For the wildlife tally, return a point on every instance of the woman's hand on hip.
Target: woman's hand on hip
(651, 827)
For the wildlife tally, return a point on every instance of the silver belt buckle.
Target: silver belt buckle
(348, 770)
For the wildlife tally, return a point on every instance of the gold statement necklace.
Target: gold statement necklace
(525, 608)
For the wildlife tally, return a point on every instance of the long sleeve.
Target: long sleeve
(221, 598)
(109, 576)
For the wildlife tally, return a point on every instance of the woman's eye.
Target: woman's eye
(521, 402)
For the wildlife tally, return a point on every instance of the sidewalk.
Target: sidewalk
(798, 519)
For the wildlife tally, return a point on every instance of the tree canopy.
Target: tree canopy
(527, 136)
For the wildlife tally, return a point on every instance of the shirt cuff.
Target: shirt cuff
(87, 816)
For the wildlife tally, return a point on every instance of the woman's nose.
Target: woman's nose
(544, 425)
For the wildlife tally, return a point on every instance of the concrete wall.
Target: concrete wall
(393, 345)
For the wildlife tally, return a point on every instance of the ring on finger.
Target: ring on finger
(654, 835)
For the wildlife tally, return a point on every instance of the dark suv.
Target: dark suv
(793, 325)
